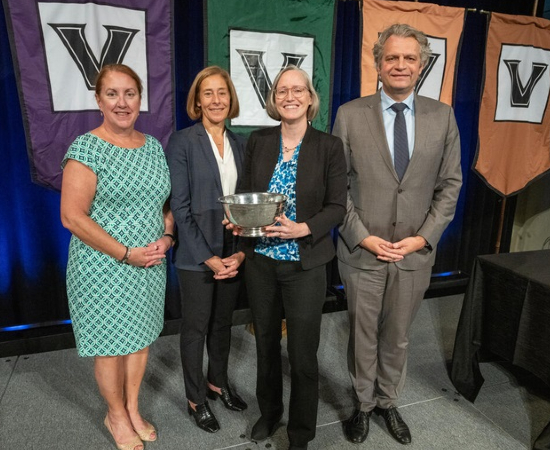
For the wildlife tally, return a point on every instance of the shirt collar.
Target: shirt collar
(386, 101)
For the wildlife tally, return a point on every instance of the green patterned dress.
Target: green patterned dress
(118, 309)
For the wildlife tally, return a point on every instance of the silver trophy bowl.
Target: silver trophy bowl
(253, 211)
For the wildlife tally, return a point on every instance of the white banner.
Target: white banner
(77, 37)
(523, 83)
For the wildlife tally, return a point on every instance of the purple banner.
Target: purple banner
(58, 48)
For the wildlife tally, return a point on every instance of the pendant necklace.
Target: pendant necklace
(289, 149)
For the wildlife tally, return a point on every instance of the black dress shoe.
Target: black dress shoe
(204, 417)
(395, 423)
(230, 399)
(264, 428)
(296, 447)
(356, 428)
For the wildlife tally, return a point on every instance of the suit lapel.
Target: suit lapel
(306, 157)
(373, 114)
(208, 154)
(237, 152)
(420, 133)
(269, 149)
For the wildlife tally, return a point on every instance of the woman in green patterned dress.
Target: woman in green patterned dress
(114, 202)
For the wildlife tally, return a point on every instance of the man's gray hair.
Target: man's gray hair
(402, 30)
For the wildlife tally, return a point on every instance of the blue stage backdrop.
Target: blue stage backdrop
(33, 244)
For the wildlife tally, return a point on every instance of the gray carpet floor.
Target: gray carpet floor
(50, 400)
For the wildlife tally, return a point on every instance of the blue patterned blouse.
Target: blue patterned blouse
(283, 181)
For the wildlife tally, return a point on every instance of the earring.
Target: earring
(101, 113)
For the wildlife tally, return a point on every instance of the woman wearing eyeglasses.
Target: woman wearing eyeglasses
(285, 269)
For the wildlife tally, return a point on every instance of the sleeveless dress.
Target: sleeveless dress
(118, 309)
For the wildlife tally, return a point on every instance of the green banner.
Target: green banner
(254, 40)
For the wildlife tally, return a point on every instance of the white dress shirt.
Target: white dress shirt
(226, 165)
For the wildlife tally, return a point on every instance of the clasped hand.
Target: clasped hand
(224, 268)
(150, 255)
(392, 251)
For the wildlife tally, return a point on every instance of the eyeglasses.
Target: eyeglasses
(297, 92)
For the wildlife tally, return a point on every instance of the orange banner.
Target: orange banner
(514, 130)
(443, 25)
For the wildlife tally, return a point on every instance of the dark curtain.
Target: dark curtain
(33, 244)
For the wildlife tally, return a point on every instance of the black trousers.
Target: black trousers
(274, 286)
(207, 310)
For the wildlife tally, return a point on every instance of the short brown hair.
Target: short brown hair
(122, 68)
(270, 106)
(402, 30)
(193, 110)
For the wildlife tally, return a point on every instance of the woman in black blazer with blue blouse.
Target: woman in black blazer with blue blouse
(205, 163)
(285, 270)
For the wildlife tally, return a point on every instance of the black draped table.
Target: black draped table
(506, 312)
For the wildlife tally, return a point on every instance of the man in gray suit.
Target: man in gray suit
(404, 179)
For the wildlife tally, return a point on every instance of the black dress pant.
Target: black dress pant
(273, 287)
(207, 310)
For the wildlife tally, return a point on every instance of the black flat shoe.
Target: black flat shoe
(264, 428)
(230, 399)
(356, 428)
(395, 424)
(204, 417)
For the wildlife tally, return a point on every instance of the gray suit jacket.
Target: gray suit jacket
(423, 203)
(196, 187)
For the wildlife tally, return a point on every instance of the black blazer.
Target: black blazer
(196, 187)
(321, 187)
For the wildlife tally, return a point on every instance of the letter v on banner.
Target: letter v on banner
(74, 39)
(514, 124)
(520, 95)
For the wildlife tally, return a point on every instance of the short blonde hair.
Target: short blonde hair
(313, 109)
(193, 110)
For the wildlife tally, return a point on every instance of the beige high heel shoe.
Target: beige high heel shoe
(136, 442)
(145, 434)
